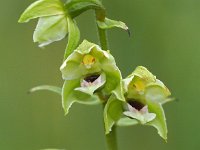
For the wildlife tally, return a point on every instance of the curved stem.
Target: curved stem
(111, 137)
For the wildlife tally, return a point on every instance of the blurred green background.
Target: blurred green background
(165, 38)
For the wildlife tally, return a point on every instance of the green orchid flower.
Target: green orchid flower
(89, 73)
(144, 96)
(53, 25)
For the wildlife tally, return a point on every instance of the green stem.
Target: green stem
(103, 38)
(100, 15)
(111, 137)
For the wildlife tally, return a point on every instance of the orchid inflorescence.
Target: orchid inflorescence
(90, 73)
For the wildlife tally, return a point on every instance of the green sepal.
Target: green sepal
(70, 95)
(55, 89)
(112, 113)
(50, 29)
(73, 37)
(42, 8)
(157, 93)
(76, 7)
(144, 74)
(160, 121)
(126, 121)
(108, 24)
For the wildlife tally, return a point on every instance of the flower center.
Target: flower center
(137, 105)
(88, 60)
(91, 78)
(139, 85)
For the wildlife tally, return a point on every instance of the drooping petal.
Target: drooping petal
(50, 29)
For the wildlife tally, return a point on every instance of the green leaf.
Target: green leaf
(73, 38)
(42, 8)
(160, 121)
(55, 89)
(70, 95)
(76, 7)
(112, 113)
(108, 23)
(125, 121)
(50, 29)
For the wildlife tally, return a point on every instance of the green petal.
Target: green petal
(55, 89)
(125, 121)
(91, 89)
(42, 8)
(73, 38)
(157, 93)
(50, 29)
(112, 113)
(108, 23)
(70, 96)
(160, 121)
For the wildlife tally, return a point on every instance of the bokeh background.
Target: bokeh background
(165, 38)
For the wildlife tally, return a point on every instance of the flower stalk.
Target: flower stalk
(111, 138)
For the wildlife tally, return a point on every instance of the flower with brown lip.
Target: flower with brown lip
(144, 96)
(90, 72)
